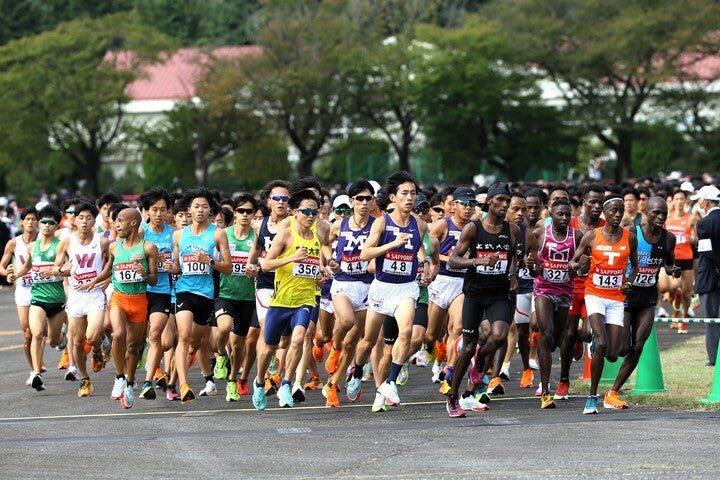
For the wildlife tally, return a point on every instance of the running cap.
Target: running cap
(464, 194)
(341, 200)
(708, 192)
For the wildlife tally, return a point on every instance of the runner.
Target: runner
(296, 256)
(608, 250)
(193, 249)
(655, 249)
(491, 273)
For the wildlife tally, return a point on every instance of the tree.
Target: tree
(484, 114)
(609, 59)
(67, 87)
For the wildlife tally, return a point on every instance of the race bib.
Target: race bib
(556, 272)
(352, 265)
(81, 278)
(162, 258)
(308, 268)
(239, 263)
(125, 273)
(499, 268)
(396, 263)
(191, 265)
(607, 281)
(646, 276)
(41, 267)
(524, 273)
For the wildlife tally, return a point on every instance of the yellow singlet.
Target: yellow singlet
(295, 282)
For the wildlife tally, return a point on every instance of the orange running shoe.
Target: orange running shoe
(314, 383)
(612, 400)
(330, 393)
(242, 387)
(495, 386)
(158, 375)
(191, 359)
(441, 351)
(527, 379)
(186, 393)
(563, 391)
(534, 339)
(333, 361)
(64, 362)
(683, 328)
(97, 362)
(318, 353)
(88, 348)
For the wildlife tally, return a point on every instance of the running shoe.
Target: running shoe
(221, 367)
(171, 393)
(354, 389)
(471, 403)
(613, 401)
(534, 339)
(298, 393)
(271, 386)
(259, 398)
(539, 390)
(87, 347)
(106, 347)
(578, 350)
(330, 394)
(242, 387)
(379, 403)
(683, 327)
(662, 312)
(63, 338)
(505, 372)
(430, 356)
(191, 360)
(482, 397)
(546, 401)
(157, 375)
(367, 372)
(563, 391)
(37, 383)
(128, 398)
(421, 360)
(97, 362)
(186, 393)
(436, 371)
(210, 389)
(389, 391)
(441, 351)
(273, 366)
(495, 386)
(148, 391)
(333, 361)
(29, 380)
(162, 382)
(403, 376)
(231, 393)
(474, 376)
(590, 405)
(285, 398)
(452, 404)
(314, 383)
(528, 379)
(86, 388)
(444, 387)
(143, 356)
(118, 388)
(318, 353)
(532, 361)
(72, 373)
(64, 361)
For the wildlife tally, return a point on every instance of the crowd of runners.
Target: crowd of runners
(292, 282)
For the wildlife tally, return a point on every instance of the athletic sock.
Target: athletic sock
(394, 372)
(358, 372)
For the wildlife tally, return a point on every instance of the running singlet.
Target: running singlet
(554, 256)
(19, 257)
(163, 241)
(237, 286)
(399, 265)
(446, 248)
(651, 257)
(608, 263)
(423, 298)
(196, 277)
(525, 280)
(579, 281)
(125, 278)
(87, 261)
(347, 252)
(295, 284)
(265, 236)
(680, 227)
(50, 289)
(489, 278)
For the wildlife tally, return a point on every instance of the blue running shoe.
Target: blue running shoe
(354, 389)
(590, 405)
(284, 395)
(259, 398)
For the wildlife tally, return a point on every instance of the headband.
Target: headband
(612, 200)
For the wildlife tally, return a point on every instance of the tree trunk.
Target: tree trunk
(623, 168)
(92, 174)
(305, 164)
(201, 169)
(403, 153)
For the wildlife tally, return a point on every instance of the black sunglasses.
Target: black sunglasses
(248, 211)
(438, 209)
(363, 198)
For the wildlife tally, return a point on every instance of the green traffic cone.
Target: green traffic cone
(714, 395)
(649, 377)
(610, 371)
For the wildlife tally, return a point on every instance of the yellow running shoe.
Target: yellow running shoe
(86, 388)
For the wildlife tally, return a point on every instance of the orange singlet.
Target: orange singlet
(608, 263)
(680, 227)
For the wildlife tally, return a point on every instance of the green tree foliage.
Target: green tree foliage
(661, 148)
(485, 115)
(67, 87)
(609, 58)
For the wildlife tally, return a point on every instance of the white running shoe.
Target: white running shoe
(534, 364)
(128, 398)
(210, 389)
(404, 375)
(436, 371)
(72, 373)
(119, 388)
(379, 403)
(28, 382)
(420, 359)
(389, 391)
(471, 403)
(538, 392)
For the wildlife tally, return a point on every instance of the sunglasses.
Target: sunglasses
(48, 221)
(343, 211)
(309, 212)
(468, 203)
(70, 211)
(438, 209)
(643, 199)
(280, 198)
(421, 210)
(363, 198)
(248, 211)
(389, 210)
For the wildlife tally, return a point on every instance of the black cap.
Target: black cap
(420, 199)
(464, 194)
(499, 188)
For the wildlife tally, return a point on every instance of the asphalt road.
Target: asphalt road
(54, 434)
